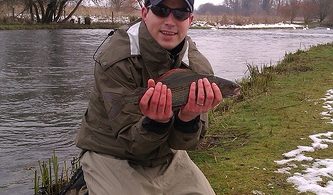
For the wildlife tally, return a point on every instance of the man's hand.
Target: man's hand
(156, 103)
(208, 96)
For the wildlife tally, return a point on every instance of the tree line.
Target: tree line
(42, 11)
(48, 11)
(310, 10)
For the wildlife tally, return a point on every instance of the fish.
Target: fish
(179, 81)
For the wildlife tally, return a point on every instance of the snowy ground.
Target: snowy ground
(316, 175)
(280, 25)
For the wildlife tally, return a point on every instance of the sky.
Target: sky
(197, 3)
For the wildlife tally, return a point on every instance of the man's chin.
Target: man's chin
(168, 44)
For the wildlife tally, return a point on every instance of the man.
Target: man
(141, 149)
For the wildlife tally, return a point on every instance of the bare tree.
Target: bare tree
(234, 5)
(309, 10)
(330, 16)
(250, 7)
(289, 9)
(266, 5)
(47, 11)
(117, 4)
(211, 9)
(9, 4)
(120, 5)
(324, 7)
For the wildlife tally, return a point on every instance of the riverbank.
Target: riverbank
(245, 142)
(58, 26)
(196, 25)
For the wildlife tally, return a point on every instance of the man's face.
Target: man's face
(168, 31)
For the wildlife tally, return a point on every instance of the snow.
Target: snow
(318, 174)
(262, 26)
(279, 25)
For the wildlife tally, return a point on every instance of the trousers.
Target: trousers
(107, 175)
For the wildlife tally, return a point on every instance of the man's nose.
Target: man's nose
(170, 19)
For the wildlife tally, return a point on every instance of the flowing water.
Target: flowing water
(46, 77)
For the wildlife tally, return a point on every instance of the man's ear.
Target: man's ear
(190, 19)
(144, 13)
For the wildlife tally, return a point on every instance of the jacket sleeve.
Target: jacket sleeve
(127, 125)
(187, 137)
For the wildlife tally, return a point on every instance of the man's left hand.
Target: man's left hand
(203, 96)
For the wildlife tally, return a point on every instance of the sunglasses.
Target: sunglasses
(163, 11)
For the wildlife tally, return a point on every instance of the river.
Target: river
(46, 77)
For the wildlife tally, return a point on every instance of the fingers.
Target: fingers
(156, 103)
(168, 106)
(192, 100)
(204, 96)
(144, 102)
(209, 93)
(162, 99)
(217, 95)
(201, 93)
(151, 83)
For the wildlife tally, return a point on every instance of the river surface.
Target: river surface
(46, 77)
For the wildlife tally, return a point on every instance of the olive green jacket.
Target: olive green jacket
(127, 60)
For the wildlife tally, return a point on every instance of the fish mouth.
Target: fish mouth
(237, 92)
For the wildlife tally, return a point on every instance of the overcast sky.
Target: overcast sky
(197, 3)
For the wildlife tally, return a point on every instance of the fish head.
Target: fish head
(228, 88)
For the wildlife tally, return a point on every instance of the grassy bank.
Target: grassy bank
(245, 141)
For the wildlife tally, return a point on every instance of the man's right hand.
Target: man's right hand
(156, 103)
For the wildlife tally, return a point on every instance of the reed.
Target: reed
(259, 78)
(257, 81)
(291, 57)
(48, 180)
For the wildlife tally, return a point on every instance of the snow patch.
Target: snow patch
(318, 176)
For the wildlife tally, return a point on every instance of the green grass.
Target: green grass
(268, 122)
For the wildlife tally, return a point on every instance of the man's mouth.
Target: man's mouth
(168, 33)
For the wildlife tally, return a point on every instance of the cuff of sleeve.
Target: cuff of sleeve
(156, 127)
(187, 127)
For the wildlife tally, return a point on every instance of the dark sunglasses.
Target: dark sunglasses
(163, 11)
